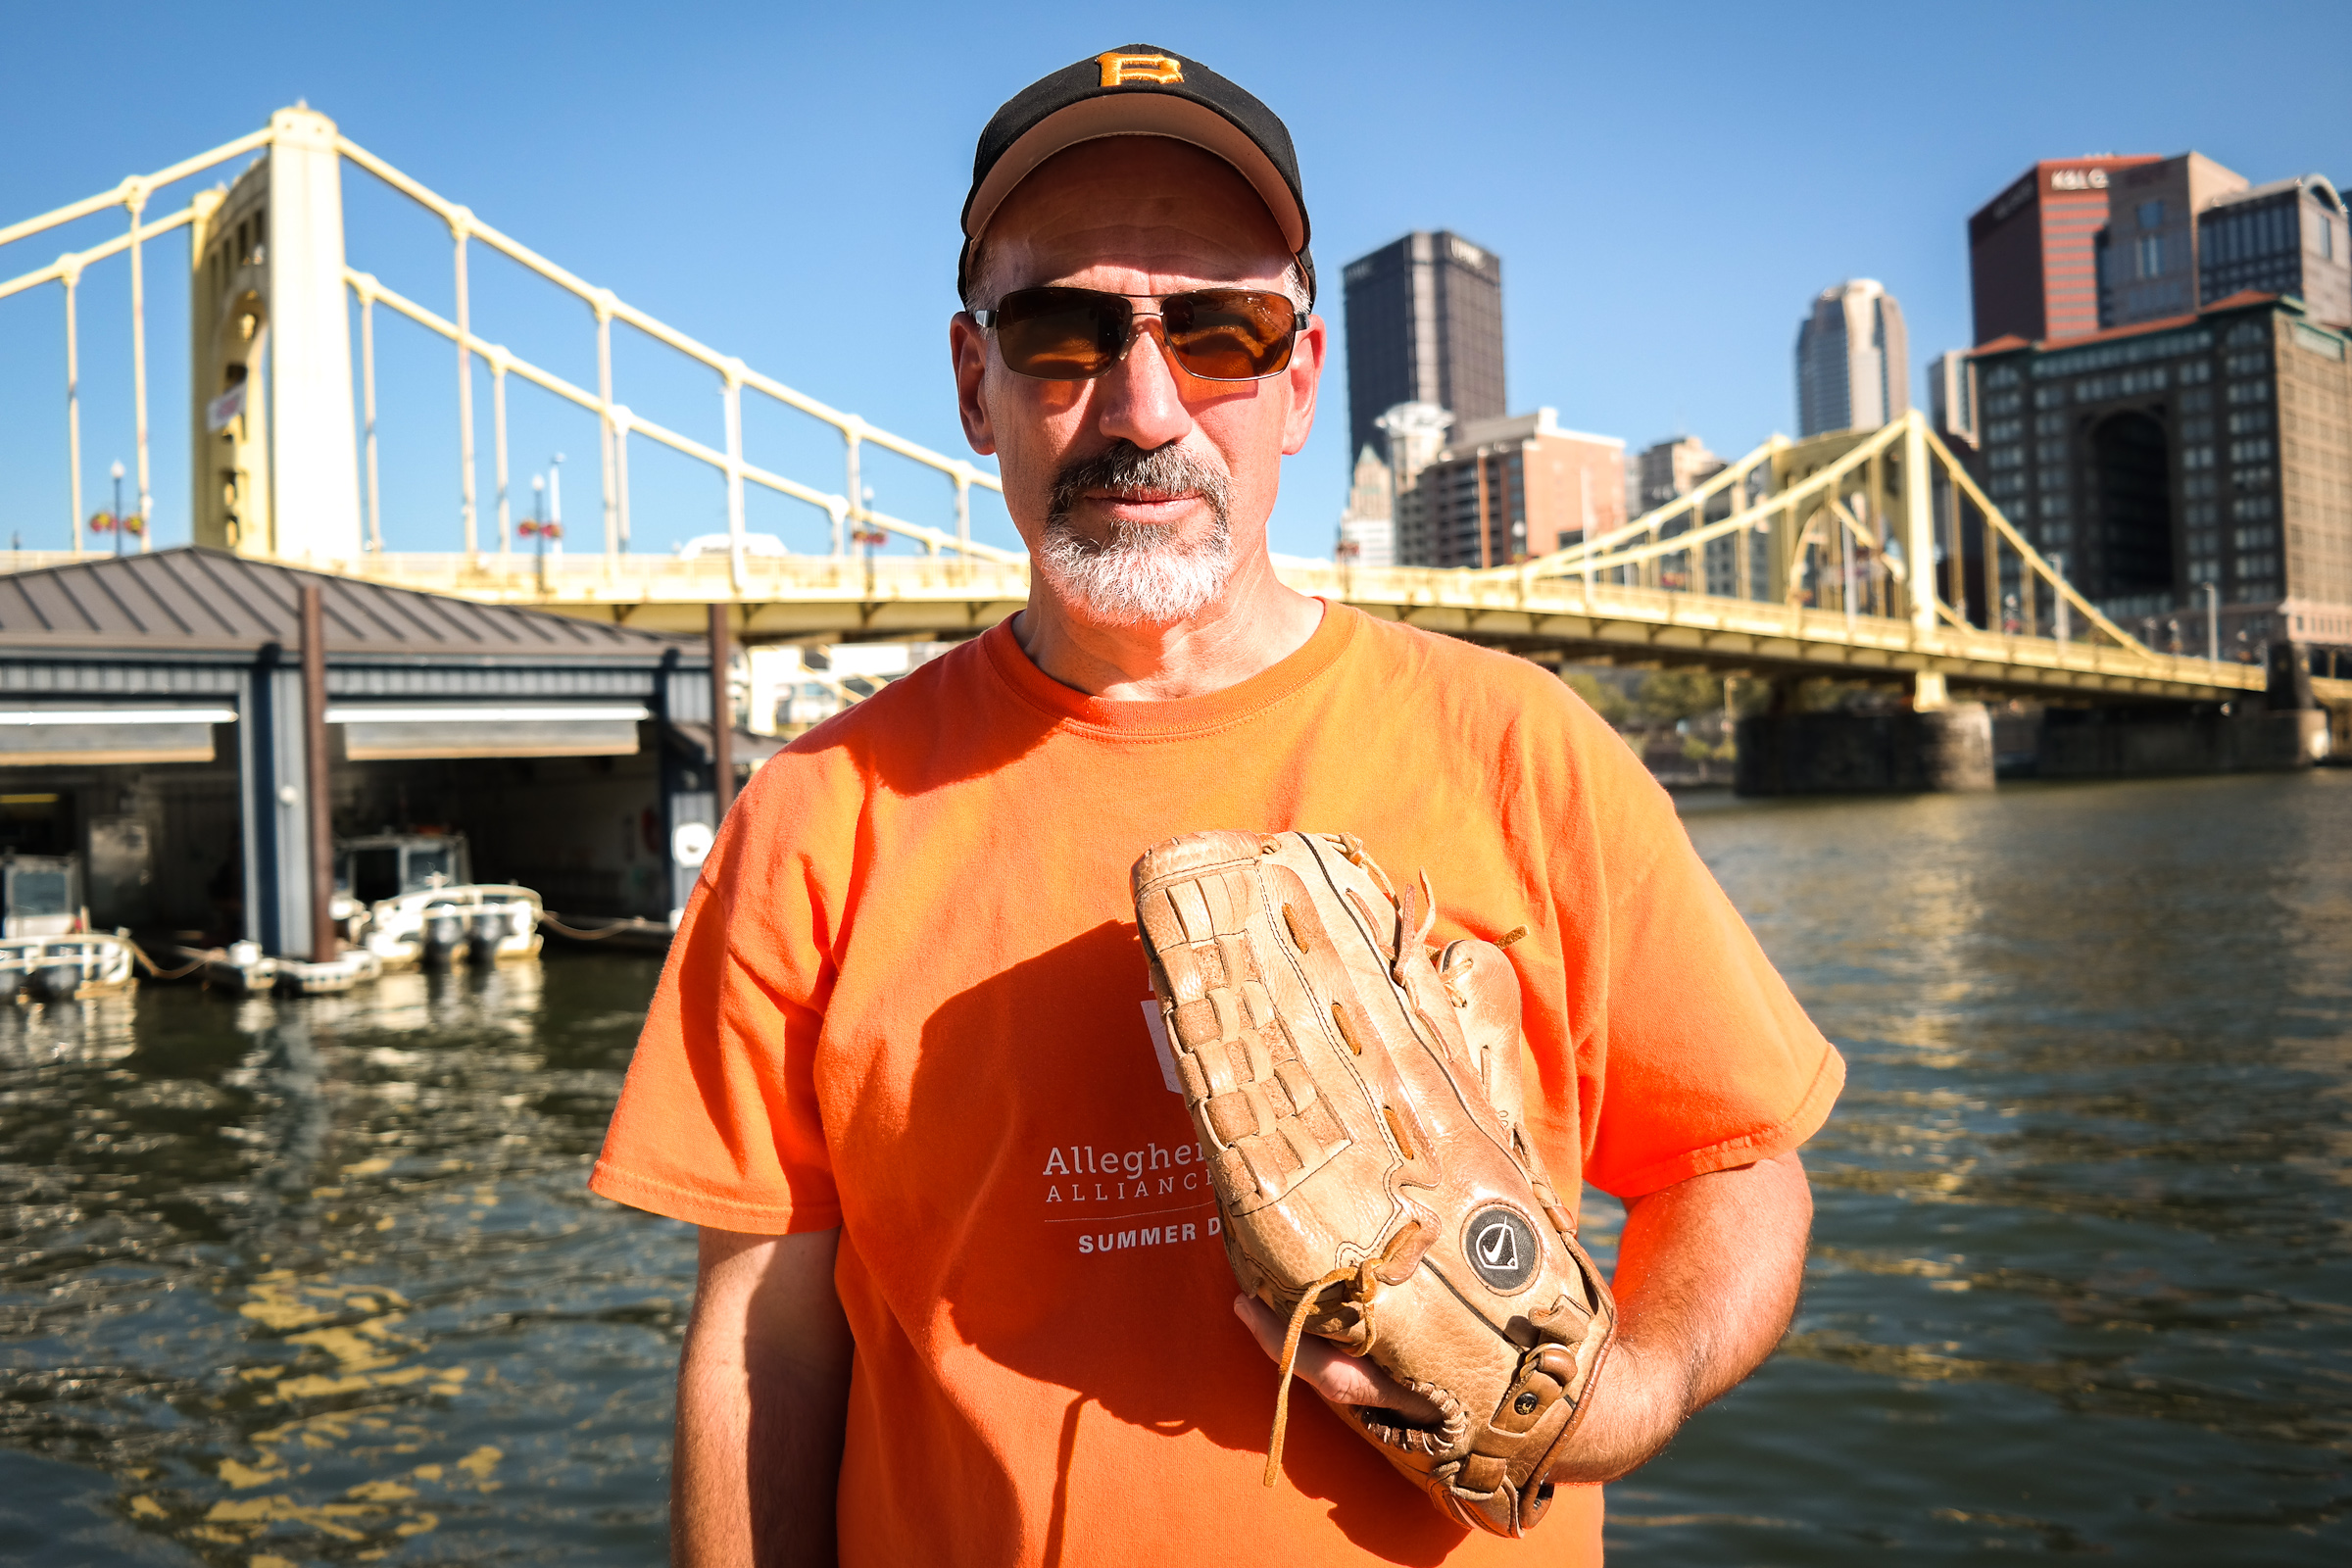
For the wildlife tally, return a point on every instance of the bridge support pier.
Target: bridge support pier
(1920, 751)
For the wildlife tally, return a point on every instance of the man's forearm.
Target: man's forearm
(1707, 1278)
(763, 1388)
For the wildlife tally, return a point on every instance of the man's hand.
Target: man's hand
(1707, 1278)
(1330, 1371)
(763, 1386)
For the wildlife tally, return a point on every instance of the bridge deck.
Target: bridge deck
(899, 596)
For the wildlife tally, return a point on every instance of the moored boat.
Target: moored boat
(407, 898)
(47, 951)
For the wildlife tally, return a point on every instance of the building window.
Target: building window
(2050, 452)
(2196, 457)
(2006, 484)
(2005, 458)
(2326, 240)
(2051, 479)
(2004, 403)
(2003, 430)
(2054, 504)
(2245, 507)
(2252, 419)
(2151, 215)
(2256, 538)
(2191, 372)
(2251, 451)
(2150, 249)
(2049, 397)
(2254, 476)
(2249, 392)
(2006, 376)
(2050, 424)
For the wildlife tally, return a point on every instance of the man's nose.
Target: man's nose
(1139, 398)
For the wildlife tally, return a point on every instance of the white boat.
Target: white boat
(243, 967)
(48, 951)
(407, 898)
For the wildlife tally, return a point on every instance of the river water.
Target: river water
(317, 1281)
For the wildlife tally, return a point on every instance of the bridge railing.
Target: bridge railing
(618, 422)
(1883, 528)
(844, 507)
(131, 196)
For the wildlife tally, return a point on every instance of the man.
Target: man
(961, 1296)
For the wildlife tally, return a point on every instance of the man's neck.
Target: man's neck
(1254, 624)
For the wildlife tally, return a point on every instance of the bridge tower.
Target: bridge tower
(274, 462)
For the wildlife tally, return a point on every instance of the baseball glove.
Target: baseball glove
(1360, 1108)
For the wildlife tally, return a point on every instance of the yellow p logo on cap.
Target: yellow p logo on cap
(1119, 69)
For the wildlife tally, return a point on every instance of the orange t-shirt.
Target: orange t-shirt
(908, 1000)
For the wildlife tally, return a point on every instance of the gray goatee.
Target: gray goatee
(1143, 573)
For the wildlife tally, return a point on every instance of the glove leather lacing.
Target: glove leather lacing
(1290, 1365)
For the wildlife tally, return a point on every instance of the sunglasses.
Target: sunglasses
(1075, 334)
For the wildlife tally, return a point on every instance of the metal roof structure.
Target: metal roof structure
(196, 600)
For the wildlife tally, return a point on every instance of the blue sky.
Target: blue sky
(1667, 186)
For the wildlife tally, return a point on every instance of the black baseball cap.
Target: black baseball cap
(1138, 91)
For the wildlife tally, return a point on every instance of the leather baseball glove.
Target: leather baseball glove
(1359, 1098)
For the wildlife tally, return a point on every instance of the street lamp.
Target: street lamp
(114, 522)
(539, 527)
(2213, 620)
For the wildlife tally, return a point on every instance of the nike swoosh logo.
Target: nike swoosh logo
(1495, 1245)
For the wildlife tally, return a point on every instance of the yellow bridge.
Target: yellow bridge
(1866, 555)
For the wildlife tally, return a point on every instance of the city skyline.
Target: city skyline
(1625, 315)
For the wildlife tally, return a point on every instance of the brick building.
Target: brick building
(1506, 489)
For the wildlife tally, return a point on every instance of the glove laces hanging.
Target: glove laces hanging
(1290, 1365)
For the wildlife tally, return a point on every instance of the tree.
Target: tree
(1604, 699)
(1677, 694)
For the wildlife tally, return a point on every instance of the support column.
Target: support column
(314, 450)
(688, 814)
(318, 814)
(722, 715)
(1919, 539)
(272, 788)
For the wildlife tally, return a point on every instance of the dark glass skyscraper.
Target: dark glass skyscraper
(1424, 326)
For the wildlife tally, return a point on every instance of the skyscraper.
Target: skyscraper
(1369, 528)
(2148, 250)
(1853, 366)
(2286, 237)
(1424, 326)
(1952, 396)
(2032, 259)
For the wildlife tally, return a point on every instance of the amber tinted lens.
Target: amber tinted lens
(1061, 334)
(1230, 334)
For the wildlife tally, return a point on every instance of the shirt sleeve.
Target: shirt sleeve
(717, 1123)
(1689, 1052)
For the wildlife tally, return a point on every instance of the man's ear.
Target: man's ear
(967, 353)
(1305, 379)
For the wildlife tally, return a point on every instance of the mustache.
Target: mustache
(1124, 465)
